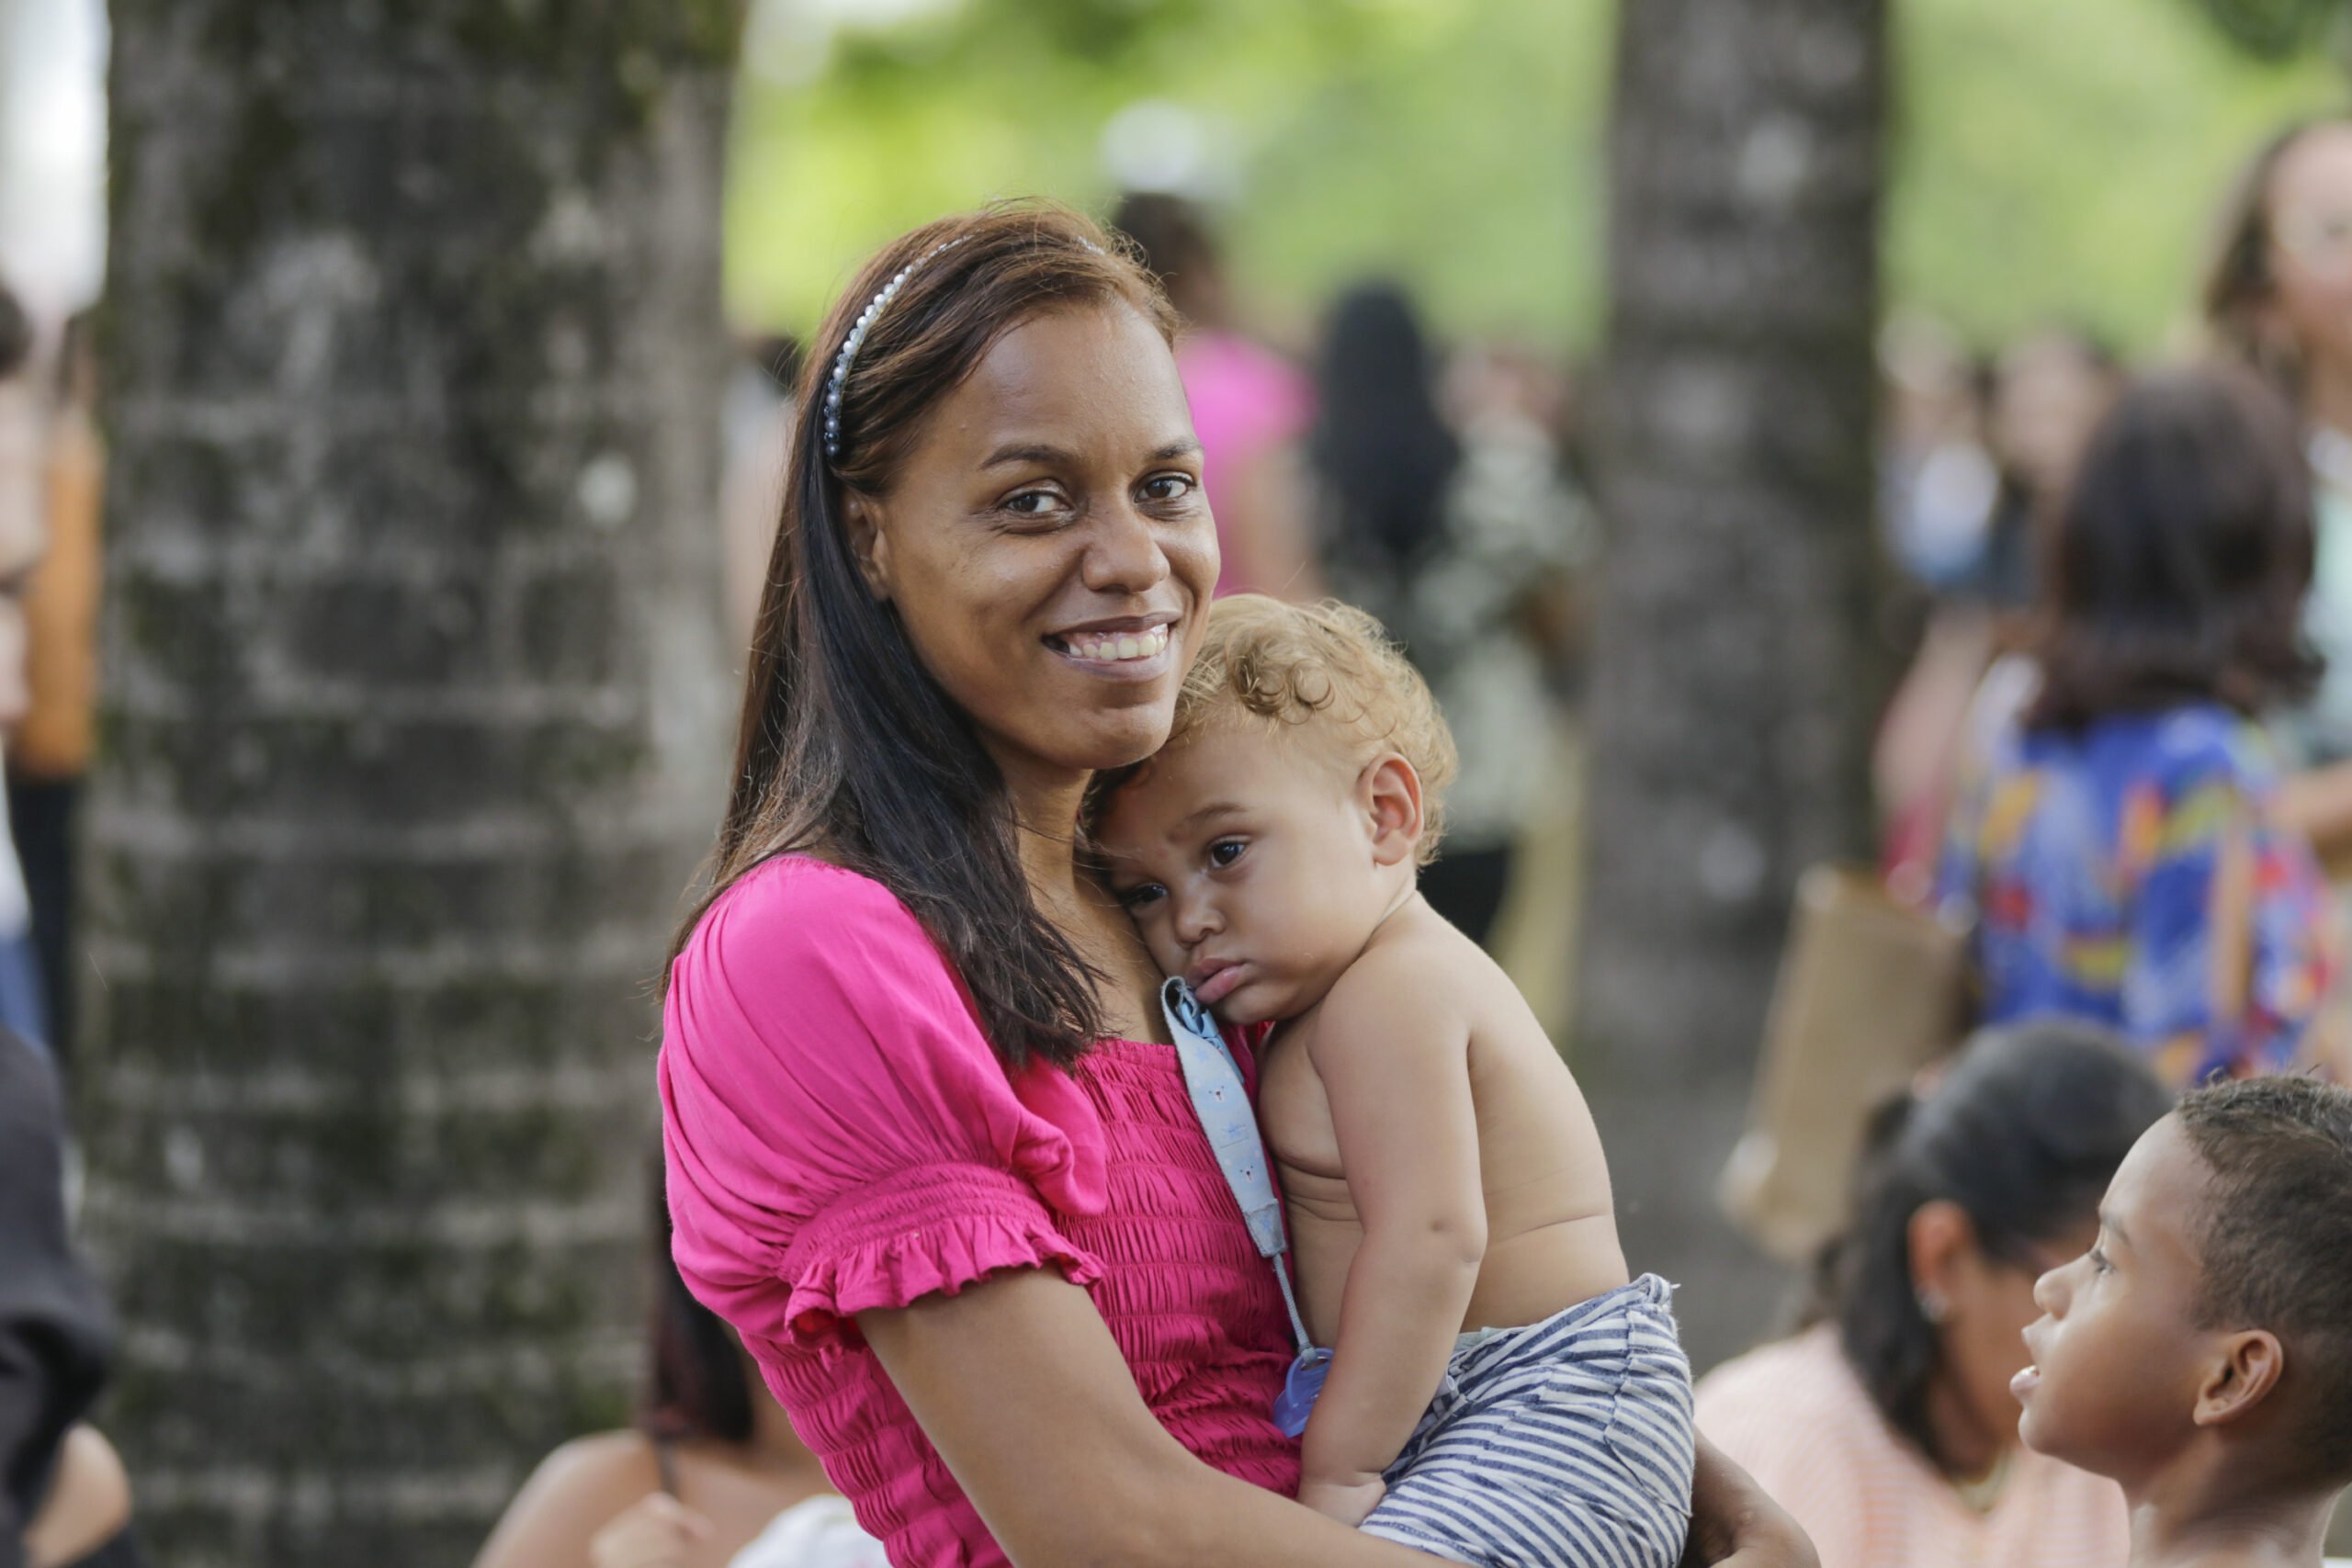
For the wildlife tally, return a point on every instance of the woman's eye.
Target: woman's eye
(1225, 851)
(1168, 487)
(1144, 893)
(1033, 503)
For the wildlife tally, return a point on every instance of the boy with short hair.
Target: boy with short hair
(1448, 1201)
(2201, 1353)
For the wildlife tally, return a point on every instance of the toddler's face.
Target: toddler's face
(1246, 859)
(2116, 1368)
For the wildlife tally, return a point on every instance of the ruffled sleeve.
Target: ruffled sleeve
(839, 1137)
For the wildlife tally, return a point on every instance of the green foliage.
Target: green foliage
(1455, 143)
(2062, 160)
(2048, 159)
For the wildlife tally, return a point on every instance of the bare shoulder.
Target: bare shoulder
(575, 1491)
(1418, 979)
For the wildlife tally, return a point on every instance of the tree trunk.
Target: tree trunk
(412, 735)
(1731, 696)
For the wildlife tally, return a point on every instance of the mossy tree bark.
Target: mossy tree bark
(1731, 687)
(413, 733)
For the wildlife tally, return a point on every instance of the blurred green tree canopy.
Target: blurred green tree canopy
(2050, 161)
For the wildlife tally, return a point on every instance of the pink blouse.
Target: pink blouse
(840, 1139)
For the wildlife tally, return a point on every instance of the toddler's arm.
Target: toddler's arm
(1393, 1055)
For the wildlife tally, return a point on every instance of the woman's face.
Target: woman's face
(1987, 1301)
(1047, 546)
(2311, 244)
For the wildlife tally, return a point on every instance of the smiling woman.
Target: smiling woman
(928, 1149)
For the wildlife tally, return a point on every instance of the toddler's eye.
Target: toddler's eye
(1141, 894)
(2100, 1262)
(1225, 851)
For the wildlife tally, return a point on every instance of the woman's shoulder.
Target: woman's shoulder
(1801, 1381)
(795, 917)
(575, 1491)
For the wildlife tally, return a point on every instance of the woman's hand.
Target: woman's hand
(1735, 1525)
(656, 1532)
(1350, 1502)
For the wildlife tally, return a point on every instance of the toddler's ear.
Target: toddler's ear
(1389, 793)
(2245, 1372)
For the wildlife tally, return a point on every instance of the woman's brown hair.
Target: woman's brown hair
(847, 747)
(2239, 282)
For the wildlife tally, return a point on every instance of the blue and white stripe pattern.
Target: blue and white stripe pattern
(1566, 1444)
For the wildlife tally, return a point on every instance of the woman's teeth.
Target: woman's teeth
(1115, 649)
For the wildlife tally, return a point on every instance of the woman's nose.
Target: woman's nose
(1123, 554)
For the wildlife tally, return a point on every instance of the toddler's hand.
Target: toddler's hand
(1348, 1499)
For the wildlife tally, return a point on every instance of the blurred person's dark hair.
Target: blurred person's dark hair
(2274, 1238)
(2023, 1131)
(846, 742)
(1380, 447)
(699, 1386)
(2182, 554)
(16, 334)
(2239, 284)
(1174, 241)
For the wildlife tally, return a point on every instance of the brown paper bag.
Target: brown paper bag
(1870, 991)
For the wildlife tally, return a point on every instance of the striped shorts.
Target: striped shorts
(1566, 1444)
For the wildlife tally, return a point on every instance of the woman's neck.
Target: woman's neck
(1045, 824)
(1969, 1449)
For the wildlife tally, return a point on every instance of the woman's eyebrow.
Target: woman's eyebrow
(1046, 456)
(1026, 452)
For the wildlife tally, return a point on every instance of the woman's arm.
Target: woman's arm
(1019, 1385)
(88, 1502)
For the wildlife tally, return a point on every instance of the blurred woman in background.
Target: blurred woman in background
(2115, 840)
(711, 1476)
(1250, 404)
(1887, 1427)
(1462, 545)
(2278, 299)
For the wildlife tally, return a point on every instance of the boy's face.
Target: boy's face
(1246, 860)
(2118, 1355)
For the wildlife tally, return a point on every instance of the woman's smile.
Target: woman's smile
(1133, 648)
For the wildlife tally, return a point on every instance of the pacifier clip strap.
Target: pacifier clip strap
(1214, 1082)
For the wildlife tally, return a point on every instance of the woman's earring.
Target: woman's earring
(1933, 1306)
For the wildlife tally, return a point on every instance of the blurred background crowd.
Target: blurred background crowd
(1910, 437)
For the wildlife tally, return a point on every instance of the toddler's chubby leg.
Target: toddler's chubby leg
(1556, 1446)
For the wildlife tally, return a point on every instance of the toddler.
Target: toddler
(1498, 1392)
(2201, 1353)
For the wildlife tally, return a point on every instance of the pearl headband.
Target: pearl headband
(838, 382)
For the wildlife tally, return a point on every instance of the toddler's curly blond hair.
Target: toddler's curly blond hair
(1323, 664)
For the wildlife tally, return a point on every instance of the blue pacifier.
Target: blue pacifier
(1304, 1381)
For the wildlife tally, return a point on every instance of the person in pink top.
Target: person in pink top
(929, 1149)
(1889, 1429)
(1250, 406)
